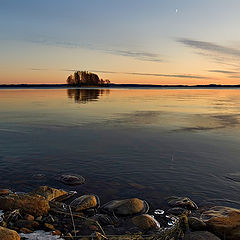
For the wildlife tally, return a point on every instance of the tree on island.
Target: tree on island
(84, 78)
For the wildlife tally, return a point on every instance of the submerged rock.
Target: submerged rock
(48, 193)
(177, 211)
(85, 202)
(196, 224)
(126, 207)
(72, 180)
(183, 202)
(146, 222)
(223, 221)
(200, 235)
(7, 234)
(34, 205)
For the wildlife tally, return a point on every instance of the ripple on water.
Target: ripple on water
(233, 176)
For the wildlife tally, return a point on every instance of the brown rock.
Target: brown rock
(48, 193)
(72, 180)
(56, 232)
(5, 191)
(200, 235)
(27, 224)
(29, 217)
(3, 224)
(145, 222)
(177, 211)
(7, 234)
(84, 202)
(223, 221)
(25, 230)
(126, 207)
(196, 224)
(34, 205)
(49, 227)
(182, 202)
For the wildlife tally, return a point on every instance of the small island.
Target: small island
(85, 78)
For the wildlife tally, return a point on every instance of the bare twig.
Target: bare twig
(74, 228)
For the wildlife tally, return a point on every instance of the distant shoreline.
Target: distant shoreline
(209, 86)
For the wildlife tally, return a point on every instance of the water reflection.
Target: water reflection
(86, 95)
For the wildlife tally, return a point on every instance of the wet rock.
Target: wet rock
(182, 202)
(177, 211)
(49, 227)
(146, 222)
(56, 232)
(5, 191)
(85, 202)
(65, 197)
(25, 230)
(48, 193)
(72, 180)
(3, 224)
(200, 235)
(34, 205)
(39, 218)
(27, 224)
(29, 217)
(223, 221)
(126, 207)
(196, 224)
(7, 234)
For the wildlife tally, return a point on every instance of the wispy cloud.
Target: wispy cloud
(38, 69)
(191, 76)
(223, 71)
(210, 47)
(139, 55)
(234, 76)
(143, 56)
(224, 55)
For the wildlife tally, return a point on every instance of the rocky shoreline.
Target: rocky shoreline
(49, 213)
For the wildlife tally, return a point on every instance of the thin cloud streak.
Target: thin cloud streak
(138, 55)
(143, 56)
(223, 71)
(210, 47)
(146, 74)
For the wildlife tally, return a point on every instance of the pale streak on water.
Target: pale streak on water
(146, 143)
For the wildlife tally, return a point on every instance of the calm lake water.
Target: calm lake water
(146, 143)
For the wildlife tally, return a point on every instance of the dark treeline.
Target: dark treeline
(84, 78)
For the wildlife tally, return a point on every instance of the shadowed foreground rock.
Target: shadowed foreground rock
(48, 193)
(7, 234)
(126, 207)
(200, 235)
(84, 202)
(34, 205)
(145, 222)
(223, 221)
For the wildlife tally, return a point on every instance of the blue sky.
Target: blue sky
(137, 41)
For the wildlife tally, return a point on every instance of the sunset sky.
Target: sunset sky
(125, 41)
